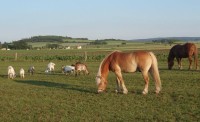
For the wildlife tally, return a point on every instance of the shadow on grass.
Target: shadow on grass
(55, 85)
(181, 70)
(4, 76)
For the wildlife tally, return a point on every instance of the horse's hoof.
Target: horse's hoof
(100, 91)
(157, 92)
(144, 92)
(125, 92)
(118, 91)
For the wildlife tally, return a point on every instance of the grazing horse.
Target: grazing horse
(11, 72)
(80, 67)
(118, 62)
(188, 50)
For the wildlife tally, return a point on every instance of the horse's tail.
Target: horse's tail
(155, 72)
(196, 57)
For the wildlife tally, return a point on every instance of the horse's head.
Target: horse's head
(33, 68)
(101, 84)
(170, 63)
(86, 70)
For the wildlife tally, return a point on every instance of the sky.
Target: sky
(99, 19)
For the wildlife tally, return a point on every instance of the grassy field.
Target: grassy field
(57, 97)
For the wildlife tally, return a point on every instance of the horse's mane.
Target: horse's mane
(103, 61)
(172, 50)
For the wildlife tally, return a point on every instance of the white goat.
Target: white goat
(50, 67)
(68, 69)
(11, 72)
(21, 73)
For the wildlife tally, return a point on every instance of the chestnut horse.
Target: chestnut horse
(188, 50)
(118, 62)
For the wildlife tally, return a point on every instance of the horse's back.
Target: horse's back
(191, 48)
(143, 59)
(130, 61)
(183, 51)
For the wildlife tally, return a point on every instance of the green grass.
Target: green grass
(57, 97)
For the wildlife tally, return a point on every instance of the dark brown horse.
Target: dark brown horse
(188, 50)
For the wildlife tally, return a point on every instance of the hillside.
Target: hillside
(51, 38)
(168, 38)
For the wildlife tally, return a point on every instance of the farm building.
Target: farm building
(79, 47)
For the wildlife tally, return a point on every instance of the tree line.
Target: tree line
(23, 43)
(166, 41)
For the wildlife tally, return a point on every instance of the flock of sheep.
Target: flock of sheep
(76, 69)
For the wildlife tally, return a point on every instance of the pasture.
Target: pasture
(57, 97)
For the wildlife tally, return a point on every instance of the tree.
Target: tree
(52, 46)
(171, 42)
(99, 42)
(20, 45)
(123, 43)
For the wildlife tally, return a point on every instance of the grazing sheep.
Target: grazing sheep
(11, 72)
(31, 70)
(50, 67)
(21, 73)
(68, 69)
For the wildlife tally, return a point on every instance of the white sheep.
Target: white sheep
(21, 73)
(11, 72)
(50, 67)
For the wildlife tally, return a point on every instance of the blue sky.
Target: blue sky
(99, 19)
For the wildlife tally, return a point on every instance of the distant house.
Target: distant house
(5, 49)
(79, 47)
(67, 47)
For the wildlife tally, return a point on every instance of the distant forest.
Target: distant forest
(23, 43)
(49, 39)
(169, 38)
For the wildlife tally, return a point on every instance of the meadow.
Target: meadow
(57, 97)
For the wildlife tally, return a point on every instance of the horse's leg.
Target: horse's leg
(179, 63)
(190, 61)
(122, 84)
(196, 60)
(181, 67)
(146, 79)
(118, 89)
